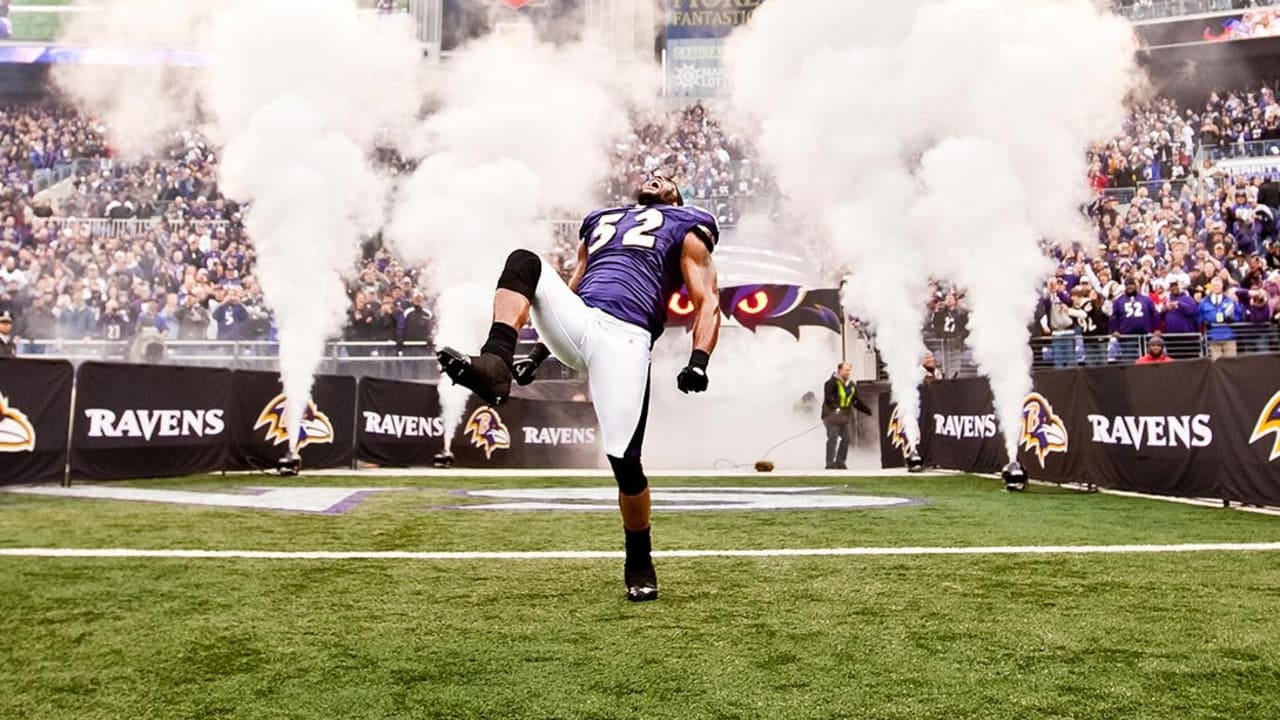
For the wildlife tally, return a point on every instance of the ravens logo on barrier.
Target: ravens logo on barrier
(486, 431)
(1268, 423)
(315, 430)
(1043, 432)
(17, 434)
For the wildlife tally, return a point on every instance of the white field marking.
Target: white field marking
(1179, 500)
(826, 475)
(605, 499)
(295, 499)
(125, 553)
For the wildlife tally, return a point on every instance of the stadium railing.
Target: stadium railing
(1125, 195)
(1143, 10)
(107, 227)
(388, 360)
(1256, 148)
(955, 359)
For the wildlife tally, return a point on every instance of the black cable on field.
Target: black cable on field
(731, 465)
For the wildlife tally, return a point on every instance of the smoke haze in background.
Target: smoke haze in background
(296, 92)
(948, 139)
(520, 134)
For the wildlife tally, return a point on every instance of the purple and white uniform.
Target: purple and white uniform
(608, 328)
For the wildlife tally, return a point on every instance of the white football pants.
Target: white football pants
(614, 355)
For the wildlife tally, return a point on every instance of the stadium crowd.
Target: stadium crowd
(177, 263)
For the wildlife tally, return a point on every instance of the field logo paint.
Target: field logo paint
(605, 499)
(486, 431)
(1043, 432)
(323, 500)
(315, 429)
(1268, 423)
(17, 434)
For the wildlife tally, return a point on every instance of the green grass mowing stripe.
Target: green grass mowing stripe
(893, 638)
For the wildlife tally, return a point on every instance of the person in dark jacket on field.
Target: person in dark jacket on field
(839, 397)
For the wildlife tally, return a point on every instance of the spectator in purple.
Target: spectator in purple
(1133, 316)
(1181, 316)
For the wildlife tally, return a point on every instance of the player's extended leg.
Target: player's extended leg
(488, 375)
(636, 505)
(617, 358)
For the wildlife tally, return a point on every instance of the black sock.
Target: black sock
(501, 342)
(639, 546)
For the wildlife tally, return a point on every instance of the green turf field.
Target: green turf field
(985, 636)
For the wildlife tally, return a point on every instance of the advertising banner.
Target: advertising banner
(136, 421)
(35, 407)
(1245, 402)
(525, 434)
(695, 39)
(398, 423)
(1198, 428)
(258, 438)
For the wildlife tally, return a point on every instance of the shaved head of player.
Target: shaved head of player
(603, 322)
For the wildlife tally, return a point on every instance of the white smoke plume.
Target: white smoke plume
(519, 135)
(297, 91)
(944, 137)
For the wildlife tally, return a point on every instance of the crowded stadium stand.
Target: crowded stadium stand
(148, 259)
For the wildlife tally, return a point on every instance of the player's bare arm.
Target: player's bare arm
(704, 293)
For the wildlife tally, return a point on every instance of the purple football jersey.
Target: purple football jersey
(633, 259)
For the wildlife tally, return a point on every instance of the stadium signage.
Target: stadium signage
(713, 13)
(148, 424)
(966, 426)
(1139, 431)
(559, 436)
(1218, 436)
(402, 426)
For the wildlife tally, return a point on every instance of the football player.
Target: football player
(604, 323)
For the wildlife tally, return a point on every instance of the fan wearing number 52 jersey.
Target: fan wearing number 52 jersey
(604, 322)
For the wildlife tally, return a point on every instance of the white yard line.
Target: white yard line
(826, 475)
(126, 553)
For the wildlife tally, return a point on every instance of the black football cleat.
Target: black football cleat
(485, 375)
(642, 582)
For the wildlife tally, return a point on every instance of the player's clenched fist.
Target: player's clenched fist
(524, 370)
(693, 378)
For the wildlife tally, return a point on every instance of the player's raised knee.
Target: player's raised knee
(521, 273)
(630, 475)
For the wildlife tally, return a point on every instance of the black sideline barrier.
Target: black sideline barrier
(399, 424)
(1198, 428)
(139, 421)
(35, 406)
(257, 434)
(136, 421)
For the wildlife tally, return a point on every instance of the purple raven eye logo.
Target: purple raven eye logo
(1043, 432)
(486, 431)
(17, 434)
(896, 431)
(1268, 423)
(315, 429)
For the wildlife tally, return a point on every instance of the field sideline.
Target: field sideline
(824, 629)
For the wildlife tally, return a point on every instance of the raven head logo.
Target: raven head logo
(896, 431)
(486, 431)
(1268, 423)
(314, 430)
(1043, 432)
(17, 434)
